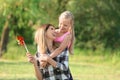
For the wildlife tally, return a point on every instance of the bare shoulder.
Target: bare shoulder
(69, 36)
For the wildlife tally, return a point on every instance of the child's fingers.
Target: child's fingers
(42, 60)
(43, 64)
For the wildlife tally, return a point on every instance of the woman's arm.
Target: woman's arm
(62, 46)
(37, 72)
(34, 62)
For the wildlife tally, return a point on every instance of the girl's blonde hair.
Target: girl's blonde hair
(40, 38)
(69, 15)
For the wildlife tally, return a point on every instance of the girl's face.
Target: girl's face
(64, 25)
(50, 33)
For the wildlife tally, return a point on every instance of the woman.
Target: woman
(58, 68)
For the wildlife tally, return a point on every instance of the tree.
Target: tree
(24, 15)
(96, 23)
(4, 38)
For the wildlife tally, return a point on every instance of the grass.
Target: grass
(84, 65)
(80, 68)
(16, 70)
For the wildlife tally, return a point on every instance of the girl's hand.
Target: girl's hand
(30, 58)
(44, 57)
(43, 60)
(43, 64)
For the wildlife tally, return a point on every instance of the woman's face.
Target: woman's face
(50, 33)
(64, 25)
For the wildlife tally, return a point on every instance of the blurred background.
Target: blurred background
(97, 31)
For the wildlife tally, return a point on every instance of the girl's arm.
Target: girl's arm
(62, 46)
(62, 65)
(34, 62)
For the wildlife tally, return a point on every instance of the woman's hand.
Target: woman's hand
(30, 58)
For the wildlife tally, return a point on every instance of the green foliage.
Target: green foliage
(96, 21)
(23, 15)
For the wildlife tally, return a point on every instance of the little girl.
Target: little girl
(65, 33)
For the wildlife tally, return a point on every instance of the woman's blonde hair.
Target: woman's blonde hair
(69, 15)
(40, 38)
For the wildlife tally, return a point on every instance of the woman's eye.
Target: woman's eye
(52, 28)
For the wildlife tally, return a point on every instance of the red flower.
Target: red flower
(20, 40)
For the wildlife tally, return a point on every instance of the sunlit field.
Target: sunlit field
(14, 65)
(81, 70)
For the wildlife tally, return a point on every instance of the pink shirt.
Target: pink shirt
(61, 38)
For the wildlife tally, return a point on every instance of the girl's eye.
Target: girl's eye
(65, 25)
